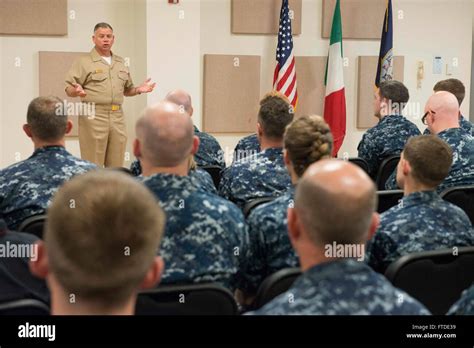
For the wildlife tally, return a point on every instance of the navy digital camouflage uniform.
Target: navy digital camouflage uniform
(462, 169)
(136, 168)
(385, 139)
(203, 177)
(422, 221)
(391, 183)
(209, 152)
(206, 238)
(463, 123)
(261, 175)
(465, 305)
(270, 246)
(246, 147)
(16, 280)
(342, 287)
(27, 187)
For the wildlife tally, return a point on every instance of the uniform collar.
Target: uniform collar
(196, 130)
(167, 181)
(272, 154)
(390, 118)
(96, 57)
(272, 151)
(449, 132)
(420, 197)
(332, 270)
(54, 148)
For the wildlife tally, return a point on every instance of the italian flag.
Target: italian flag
(335, 102)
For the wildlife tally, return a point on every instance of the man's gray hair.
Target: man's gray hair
(102, 25)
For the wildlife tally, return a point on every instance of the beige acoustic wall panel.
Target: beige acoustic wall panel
(310, 72)
(53, 67)
(262, 16)
(361, 19)
(33, 17)
(231, 93)
(366, 87)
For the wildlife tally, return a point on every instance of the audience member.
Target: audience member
(422, 221)
(264, 174)
(442, 117)
(334, 215)
(209, 153)
(27, 187)
(17, 282)
(206, 237)
(307, 140)
(457, 88)
(101, 237)
(393, 130)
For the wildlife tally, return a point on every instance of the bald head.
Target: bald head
(182, 99)
(335, 201)
(443, 108)
(165, 134)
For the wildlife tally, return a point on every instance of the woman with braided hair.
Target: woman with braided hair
(307, 140)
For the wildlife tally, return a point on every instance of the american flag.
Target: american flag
(284, 79)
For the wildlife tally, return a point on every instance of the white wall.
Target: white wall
(139, 36)
(173, 49)
(444, 28)
(168, 45)
(446, 31)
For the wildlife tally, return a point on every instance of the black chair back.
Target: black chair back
(33, 225)
(24, 307)
(254, 203)
(435, 278)
(215, 172)
(194, 299)
(463, 197)
(360, 162)
(386, 169)
(274, 285)
(388, 199)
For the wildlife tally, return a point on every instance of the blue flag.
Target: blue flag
(385, 67)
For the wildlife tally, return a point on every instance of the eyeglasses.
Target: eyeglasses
(423, 119)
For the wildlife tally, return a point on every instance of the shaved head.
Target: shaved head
(335, 201)
(181, 98)
(443, 108)
(166, 134)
